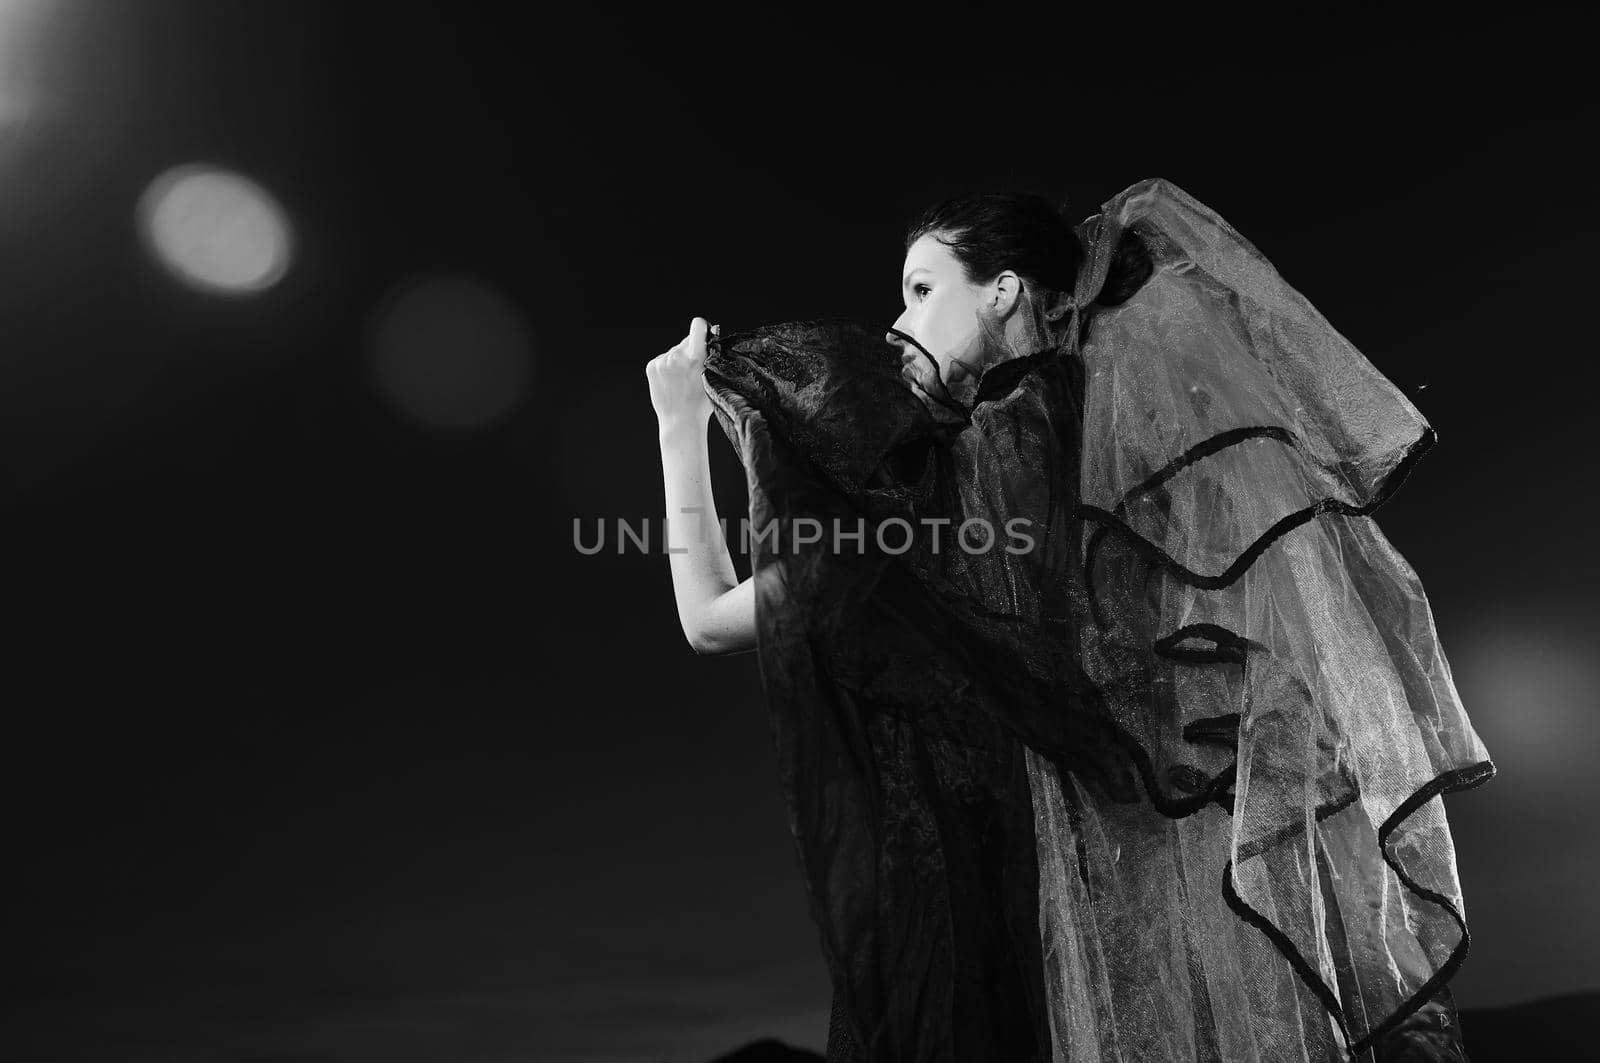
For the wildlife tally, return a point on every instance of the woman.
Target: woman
(1110, 727)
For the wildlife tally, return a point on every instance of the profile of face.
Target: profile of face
(942, 312)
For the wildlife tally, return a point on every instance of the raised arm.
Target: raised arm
(717, 613)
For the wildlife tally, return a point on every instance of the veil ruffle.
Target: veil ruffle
(1235, 444)
(1201, 724)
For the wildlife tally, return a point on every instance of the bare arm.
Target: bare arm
(716, 612)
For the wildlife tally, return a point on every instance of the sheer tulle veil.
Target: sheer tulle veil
(1235, 446)
(1191, 746)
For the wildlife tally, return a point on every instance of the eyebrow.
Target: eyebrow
(907, 278)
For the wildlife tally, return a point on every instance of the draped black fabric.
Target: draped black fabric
(898, 692)
(1109, 726)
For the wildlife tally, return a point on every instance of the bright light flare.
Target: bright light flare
(216, 231)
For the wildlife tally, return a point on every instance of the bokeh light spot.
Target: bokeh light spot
(216, 231)
(450, 353)
(1528, 683)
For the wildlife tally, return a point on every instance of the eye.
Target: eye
(920, 288)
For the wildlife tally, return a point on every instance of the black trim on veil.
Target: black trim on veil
(1235, 442)
(1160, 787)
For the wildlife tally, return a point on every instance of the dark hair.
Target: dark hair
(1022, 231)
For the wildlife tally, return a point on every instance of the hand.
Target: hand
(677, 381)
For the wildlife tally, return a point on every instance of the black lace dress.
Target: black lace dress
(1109, 726)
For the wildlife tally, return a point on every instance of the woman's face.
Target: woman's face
(941, 313)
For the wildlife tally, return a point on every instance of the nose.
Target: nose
(901, 324)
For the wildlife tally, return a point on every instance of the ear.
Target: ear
(1006, 293)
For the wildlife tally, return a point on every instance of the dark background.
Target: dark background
(325, 742)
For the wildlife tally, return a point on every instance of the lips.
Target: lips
(915, 368)
(923, 382)
(909, 369)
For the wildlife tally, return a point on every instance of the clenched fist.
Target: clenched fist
(677, 381)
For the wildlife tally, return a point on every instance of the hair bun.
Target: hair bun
(1131, 265)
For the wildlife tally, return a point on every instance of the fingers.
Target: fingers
(688, 352)
(696, 340)
(691, 350)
